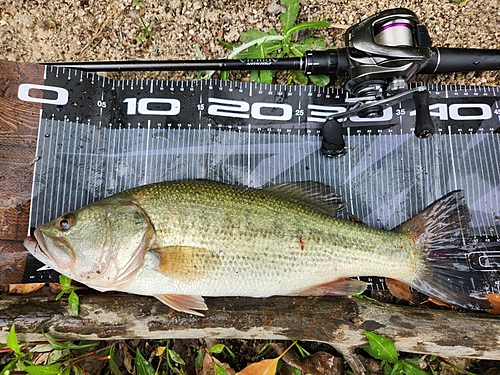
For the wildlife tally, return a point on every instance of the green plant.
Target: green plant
(145, 33)
(260, 45)
(60, 358)
(67, 288)
(384, 349)
(54, 21)
(142, 366)
(219, 348)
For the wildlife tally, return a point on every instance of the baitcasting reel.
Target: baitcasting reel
(382, 53)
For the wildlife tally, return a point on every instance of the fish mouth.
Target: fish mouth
(37, 246)
(38, 250)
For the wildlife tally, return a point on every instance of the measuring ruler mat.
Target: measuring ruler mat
(98, 136)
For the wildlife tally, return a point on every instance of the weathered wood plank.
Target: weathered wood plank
(337, 321)
(18, 132)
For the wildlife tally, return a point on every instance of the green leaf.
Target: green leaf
(299, 77)
(112, 363)
(114, 367)
(264, 349)
(12, 342)
(299, 49)
(42, 348)
(55, 356)
(9, 366)
(257, 51)
(381, 347)
(41, 369)
(303, 353)
(175, 357)
(320, 79)
(410, 368)
(225, 44)
(317, 44)
(257, 42)
(307, 25)
(266, 76)
(288, 18)
(69, 346)
(310, 44)
(61, 293)
(251, 35)
(142, 367)
(198, 362)
(74, 302)
(224, 75)
(217, 348)
(65, 281)
(397, 370)
(254, 76)
(294, 370)
(219, 370)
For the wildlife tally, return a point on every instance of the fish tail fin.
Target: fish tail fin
(444, 270)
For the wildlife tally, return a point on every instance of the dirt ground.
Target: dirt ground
(73, 30)
(43, 31)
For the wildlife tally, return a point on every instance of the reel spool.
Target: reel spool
(394, 33)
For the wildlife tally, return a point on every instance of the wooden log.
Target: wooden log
(336, 321)
(18, 132)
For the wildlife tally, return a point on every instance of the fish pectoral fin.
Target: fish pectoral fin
(339, 287)
(184, 303)
(180, 261)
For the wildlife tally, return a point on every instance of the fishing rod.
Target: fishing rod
(381, 54)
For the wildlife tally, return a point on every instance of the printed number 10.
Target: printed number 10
(141, 106)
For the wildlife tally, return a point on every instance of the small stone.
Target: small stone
(276, 8)
(197, 5)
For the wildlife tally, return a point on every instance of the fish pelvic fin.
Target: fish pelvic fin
(184, 303)
(443, 271)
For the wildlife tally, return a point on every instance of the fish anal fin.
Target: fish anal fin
(314, 193)
(339, 287)
(184, 303)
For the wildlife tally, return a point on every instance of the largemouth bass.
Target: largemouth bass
(179, 241)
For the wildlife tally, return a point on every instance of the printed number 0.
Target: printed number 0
(23, 93)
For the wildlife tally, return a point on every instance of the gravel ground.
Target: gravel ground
(42, 31)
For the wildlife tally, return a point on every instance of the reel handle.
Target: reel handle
(424, 127)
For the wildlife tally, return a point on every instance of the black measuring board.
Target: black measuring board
(98, 136)
(78, 96)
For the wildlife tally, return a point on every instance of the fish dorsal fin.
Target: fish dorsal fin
(319, 195)
(183, 303)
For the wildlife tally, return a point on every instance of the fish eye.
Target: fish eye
(65, 222)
